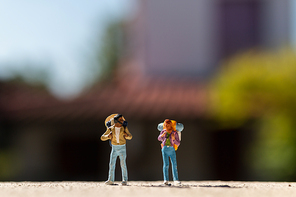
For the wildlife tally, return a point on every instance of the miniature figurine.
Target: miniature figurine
(170, 142)
(117, 132)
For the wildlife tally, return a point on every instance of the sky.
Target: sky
(60, 37)
(56, 36)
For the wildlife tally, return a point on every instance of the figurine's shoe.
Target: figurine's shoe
(177, 183)
(166, 183)
(123, 183)
(108, 182)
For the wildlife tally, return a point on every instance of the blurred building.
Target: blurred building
(189, 38)
(175, 47)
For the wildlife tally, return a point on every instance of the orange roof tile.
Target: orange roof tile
(150, 98)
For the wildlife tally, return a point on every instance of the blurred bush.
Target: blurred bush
(8, 165)
(260, 85)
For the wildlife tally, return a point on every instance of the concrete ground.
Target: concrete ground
(143, 189)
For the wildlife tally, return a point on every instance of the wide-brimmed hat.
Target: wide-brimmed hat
(111, 117)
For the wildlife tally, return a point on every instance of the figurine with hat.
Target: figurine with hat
(117, 132)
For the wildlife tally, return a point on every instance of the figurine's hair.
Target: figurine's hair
(172, 121)
(165, 123)
(167, 120)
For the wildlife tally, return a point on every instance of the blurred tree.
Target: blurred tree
(29, 72)
(112, 50)
(261, 86)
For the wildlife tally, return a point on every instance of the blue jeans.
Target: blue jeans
(118, 150)
(166, 153)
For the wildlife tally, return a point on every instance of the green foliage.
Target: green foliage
(254, 84)
(29, 72)
(112, 49)
(261, 85)
(8, 167)
(273, 154)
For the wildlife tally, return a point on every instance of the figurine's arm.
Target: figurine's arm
(107, 135)
(161, 136)
(176, 139)
(128, 135)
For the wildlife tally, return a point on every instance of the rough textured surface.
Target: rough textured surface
(188, 188)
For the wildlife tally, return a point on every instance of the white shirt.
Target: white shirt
(117, 131)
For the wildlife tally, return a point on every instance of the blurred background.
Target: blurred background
(224, 68)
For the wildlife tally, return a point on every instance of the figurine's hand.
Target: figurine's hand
(164, 133)
(125, 135)
(110, 135)
(124, 124)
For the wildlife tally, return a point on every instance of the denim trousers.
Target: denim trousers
(169, 152)
(118, 151)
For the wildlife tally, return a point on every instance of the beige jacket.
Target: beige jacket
(122, 139)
